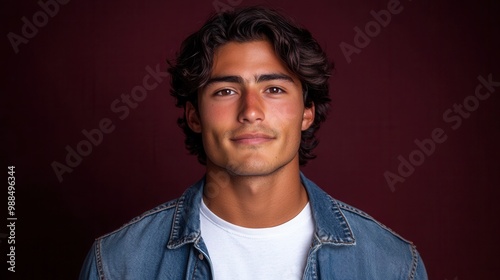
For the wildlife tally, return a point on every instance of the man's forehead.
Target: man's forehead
(252, 61)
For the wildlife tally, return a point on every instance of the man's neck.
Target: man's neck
(255, 201)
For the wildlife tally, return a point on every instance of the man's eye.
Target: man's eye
(225, 92)
(274, 90)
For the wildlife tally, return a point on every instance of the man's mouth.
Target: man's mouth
(252, 138)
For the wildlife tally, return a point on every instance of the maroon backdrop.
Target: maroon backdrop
(408, 104)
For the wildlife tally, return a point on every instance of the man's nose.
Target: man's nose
(251, 107)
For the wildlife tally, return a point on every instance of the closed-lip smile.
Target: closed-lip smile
(252, 138)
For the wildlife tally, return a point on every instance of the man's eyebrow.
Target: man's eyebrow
(258, 78)
(273, 76)
(227, 79)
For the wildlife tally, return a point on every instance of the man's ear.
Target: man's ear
(192, 118)
(308, 117)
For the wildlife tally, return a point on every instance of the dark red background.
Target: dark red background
(393, 92)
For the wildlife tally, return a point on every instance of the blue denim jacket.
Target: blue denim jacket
(166, 243)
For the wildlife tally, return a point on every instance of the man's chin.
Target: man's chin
(253, 169)
(254, 165)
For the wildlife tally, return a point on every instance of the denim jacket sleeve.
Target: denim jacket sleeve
(421, 273)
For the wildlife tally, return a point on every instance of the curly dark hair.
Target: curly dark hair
(294, 45)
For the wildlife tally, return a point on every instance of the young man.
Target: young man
(255, 89)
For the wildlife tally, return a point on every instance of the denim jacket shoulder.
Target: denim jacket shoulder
(166, 243)
(150, 246)
(350, 244)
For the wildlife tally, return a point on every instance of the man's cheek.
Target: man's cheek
(286, 112)
(219, 111)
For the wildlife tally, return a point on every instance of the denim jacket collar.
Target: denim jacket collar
(331, 225)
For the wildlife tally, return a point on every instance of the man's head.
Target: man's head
(298, 60)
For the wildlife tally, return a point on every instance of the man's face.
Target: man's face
(251, 112)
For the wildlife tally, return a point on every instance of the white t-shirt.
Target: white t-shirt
(278, 252)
